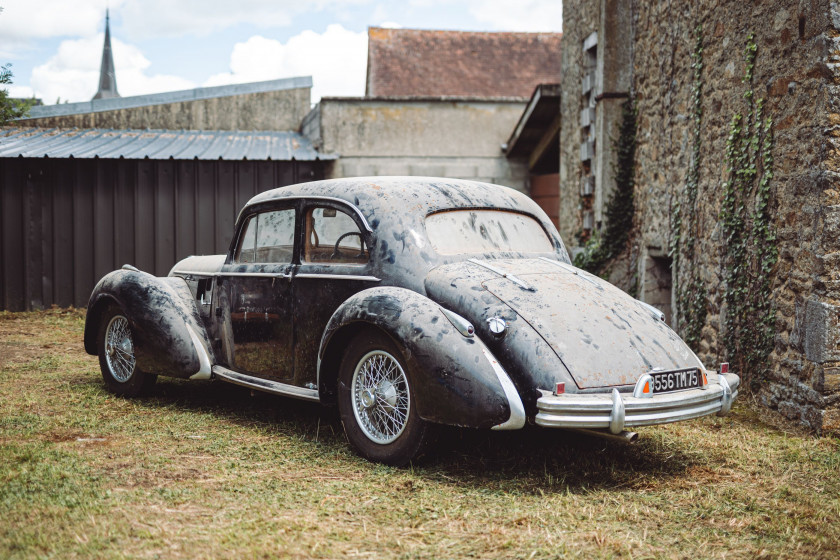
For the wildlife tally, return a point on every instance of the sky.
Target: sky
(55, 46)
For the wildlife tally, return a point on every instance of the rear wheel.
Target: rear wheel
(377, 404)
(117, 359)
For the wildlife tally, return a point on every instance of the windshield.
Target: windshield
(486, 231)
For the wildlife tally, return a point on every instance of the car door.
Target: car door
(335, 263)
(256, 287)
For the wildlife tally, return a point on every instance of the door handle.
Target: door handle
(283, 276)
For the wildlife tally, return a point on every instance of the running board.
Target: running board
(265, 385)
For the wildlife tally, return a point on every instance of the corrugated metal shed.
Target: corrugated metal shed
(158, 144)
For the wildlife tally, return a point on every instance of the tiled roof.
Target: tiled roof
(417, 62)
(156, 144)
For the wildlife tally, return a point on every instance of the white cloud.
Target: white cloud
(23, 21)
(504, 15)
(19, 91)
(336, 60)
(158, 18)
(523, 15)
(72, 74)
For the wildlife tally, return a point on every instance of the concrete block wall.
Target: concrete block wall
(445, 137)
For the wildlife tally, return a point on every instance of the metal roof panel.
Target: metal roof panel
(157, 144)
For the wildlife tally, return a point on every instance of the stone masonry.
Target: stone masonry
(797, 73)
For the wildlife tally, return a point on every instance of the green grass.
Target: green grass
(205, 470)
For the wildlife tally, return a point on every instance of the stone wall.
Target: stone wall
(238, 107)
(796, 73)
(441, 137)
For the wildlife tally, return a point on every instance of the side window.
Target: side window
(333, 237)
(269, 238)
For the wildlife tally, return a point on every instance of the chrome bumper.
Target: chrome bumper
(616, 411)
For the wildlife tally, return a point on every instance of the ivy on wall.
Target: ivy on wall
(691, 291)
(749, 252)
(601, 248)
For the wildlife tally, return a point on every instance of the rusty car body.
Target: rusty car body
(408, 302)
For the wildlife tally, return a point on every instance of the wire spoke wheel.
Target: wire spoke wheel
(119, 349)
(380, 396)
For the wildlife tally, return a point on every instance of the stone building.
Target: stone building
(736, 216)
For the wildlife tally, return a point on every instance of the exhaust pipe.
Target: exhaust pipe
(623, 437)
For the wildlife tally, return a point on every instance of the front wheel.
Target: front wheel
(377, 404)
(117, 360)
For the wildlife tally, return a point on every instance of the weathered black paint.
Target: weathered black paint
(452, 379)
(159, 311)
(530, 362)
(400, 292)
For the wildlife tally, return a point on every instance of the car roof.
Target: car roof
(378, 197)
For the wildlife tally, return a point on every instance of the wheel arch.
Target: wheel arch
(94, 316)
(330, 362)
(170, 337)
(452, 374)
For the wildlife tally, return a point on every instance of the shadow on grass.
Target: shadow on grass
(532, 460)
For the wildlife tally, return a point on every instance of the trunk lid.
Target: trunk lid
(603, 336)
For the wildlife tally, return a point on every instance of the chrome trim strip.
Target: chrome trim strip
(257, 275)
(279, 275)
(461, 325)
(638, 390)
(517, 409)
(194, 273)
(657, 313)
(504, 274)
(204, 369)
(340, 201)
(570, 268)
(282, 275)
(339, 277)
(265, 385)
(303, 197)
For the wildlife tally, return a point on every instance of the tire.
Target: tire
(117, 359)
(377, 404)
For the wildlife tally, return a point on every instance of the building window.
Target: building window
(587, 129)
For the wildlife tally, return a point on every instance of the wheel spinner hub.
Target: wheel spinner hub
(368, 398)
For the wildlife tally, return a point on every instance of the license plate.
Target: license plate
(677, 380)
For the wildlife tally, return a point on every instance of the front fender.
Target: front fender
(170, 338)
(455, 379)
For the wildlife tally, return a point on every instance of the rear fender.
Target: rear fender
(170, 338)
(455, 379)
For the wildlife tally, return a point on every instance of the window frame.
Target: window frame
(245, 219)
(352, 212)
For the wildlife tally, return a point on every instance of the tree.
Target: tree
(10, 109)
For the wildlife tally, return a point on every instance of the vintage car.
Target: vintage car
(407, 302)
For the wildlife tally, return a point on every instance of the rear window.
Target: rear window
(486, 231)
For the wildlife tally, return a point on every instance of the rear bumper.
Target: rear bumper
(616, 411)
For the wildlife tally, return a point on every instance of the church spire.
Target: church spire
(107, 76)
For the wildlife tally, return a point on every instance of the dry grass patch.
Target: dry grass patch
(204, 470)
